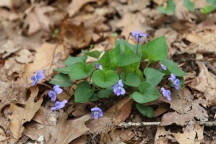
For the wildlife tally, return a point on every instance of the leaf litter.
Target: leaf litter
(28, 44)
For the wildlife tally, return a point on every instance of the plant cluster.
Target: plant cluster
(141, 71)
(170, 7)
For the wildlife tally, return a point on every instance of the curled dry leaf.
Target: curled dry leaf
(205, 83)
(112, 117)
(21, 115)
(62, 133)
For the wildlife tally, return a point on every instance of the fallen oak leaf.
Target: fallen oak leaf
(21, 115)
(63, 133)
(36, 18)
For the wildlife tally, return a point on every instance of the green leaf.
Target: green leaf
(62, 80)
(189, 5)
(94, 54)
(65, 70)
(72, 60)
(172, 67)
(155, 49)
(132, 79)
(105, 93)
(170, 9)
(105, 79)
(122, 55)
(212, 2)
(147, 93)
(145, 110)
(208, 9)
(80, 70)
(153, 76)
(83, 92)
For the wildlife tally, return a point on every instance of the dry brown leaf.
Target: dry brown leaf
(162, 136)
(21, 115)
(132, 22)
(11, 3)
(75, 6)
(112, 117)
(160, 2)
(117, 136)
(24, 56)
(63, 133)
(181, 101)
(196, 111)
(76, 35)
(44, 59)
(11, 92)
(2, 135)
(205, 83)
(191, 134)
(8, 15)
(81, 140)
(182, 13)
(202, 41)
(37, 18)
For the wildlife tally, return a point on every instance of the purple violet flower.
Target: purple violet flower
(53, 93)
(174, 80)
(163, 67)
(59, 105)
(96, 112)
(39, 76)
(118, 88)
(139, 35)
(166, 93)
(99, 66)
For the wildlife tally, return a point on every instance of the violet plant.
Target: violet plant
(140, 71)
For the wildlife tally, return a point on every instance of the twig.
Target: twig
(139, 124)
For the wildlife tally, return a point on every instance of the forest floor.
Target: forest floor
(41, 34)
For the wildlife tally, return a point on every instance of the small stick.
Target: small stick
(139, 124)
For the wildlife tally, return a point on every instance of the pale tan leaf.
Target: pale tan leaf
(196, 112)
(44, 59)
(37, 18)
(205, 83)
(192, 134)
(132, 22)
(75, 6)
(63, 133)
(21, 115)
